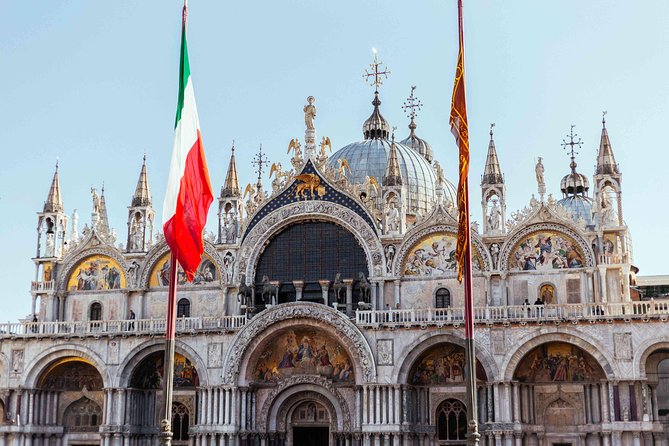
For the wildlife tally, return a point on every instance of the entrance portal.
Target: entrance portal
(311, 436)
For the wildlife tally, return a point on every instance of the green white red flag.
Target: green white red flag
(189, 193)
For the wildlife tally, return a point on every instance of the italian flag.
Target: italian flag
(189, 192)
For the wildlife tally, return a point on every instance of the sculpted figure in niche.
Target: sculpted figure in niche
(390, 256)
(228, 266)
(393, 216)
(136, 234)
(495, 217)
(230, 228)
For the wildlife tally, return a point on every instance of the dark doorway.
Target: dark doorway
(311, 436)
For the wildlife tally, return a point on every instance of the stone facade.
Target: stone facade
(274, 348)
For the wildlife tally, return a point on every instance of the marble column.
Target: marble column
(516, 402)
(397, 293)
(299, 287)
(325, 287)
(349, 295)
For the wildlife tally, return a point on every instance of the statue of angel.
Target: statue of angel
(325, 145)
(539, 172)
(371, 186)
(279, 176)
(343, 168)
(251, 203)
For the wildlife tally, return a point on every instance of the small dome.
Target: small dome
(579, 206)
(418, 144)
(376, 126)
(574, 184)
(370, 158)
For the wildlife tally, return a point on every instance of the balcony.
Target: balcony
(42, 287)
(515, 314)
(185, 325)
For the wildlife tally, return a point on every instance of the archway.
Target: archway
(451, 420)
(309, 252)
(309, 424)
(74, 388)
(145, 393)
(657, 373)
(560, 388)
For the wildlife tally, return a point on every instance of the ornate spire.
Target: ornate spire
(142, 195)
(231, 186)
(103, 222)
(492, 173)
(54, 202)
(393, 176)
(606, 162)
(376, 126)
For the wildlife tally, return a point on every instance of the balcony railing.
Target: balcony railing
(41, 287)
(126, 327)
(514, 314)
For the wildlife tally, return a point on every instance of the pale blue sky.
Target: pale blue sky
(95, 84)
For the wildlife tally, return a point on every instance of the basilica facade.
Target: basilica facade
(326, 311)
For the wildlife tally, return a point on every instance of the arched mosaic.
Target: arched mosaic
(96, 273)
(149, 373)
(442, 364)
(545, 250)
(558, 362)
(303, 351)
(434, 255)
(206, 274)
(70, 374)
(545, 247)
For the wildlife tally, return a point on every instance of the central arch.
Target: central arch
(255, 241)
(278, 318)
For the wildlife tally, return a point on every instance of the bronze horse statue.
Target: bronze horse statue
(365, 287)
(338, 286)
(269, 287)
(244, 292)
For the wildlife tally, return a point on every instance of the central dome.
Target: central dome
(370, 157)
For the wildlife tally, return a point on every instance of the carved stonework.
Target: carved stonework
(278, 219)
(622, 343)
(522, 233)
(384, 352)
(349, 334)
(282, 416)
(306, 379)
(214, 355)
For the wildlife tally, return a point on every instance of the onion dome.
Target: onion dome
(418, 144)
(575, 187)
(376, 126)
(412, 105)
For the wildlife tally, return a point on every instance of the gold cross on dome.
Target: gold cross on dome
(377, 72)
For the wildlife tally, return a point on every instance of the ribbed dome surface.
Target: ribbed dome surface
(370, 157)
(419, 145)
(574, 183)
(579, 206)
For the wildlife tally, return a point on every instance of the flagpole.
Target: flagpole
(168, 364)
(473, 435)
(460, 129)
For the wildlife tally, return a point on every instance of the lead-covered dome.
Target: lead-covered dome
(418, 144)
(574, 188)
(370, 158)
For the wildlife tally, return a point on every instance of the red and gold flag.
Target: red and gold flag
(460, 130)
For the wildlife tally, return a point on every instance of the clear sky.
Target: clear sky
(94, 84)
